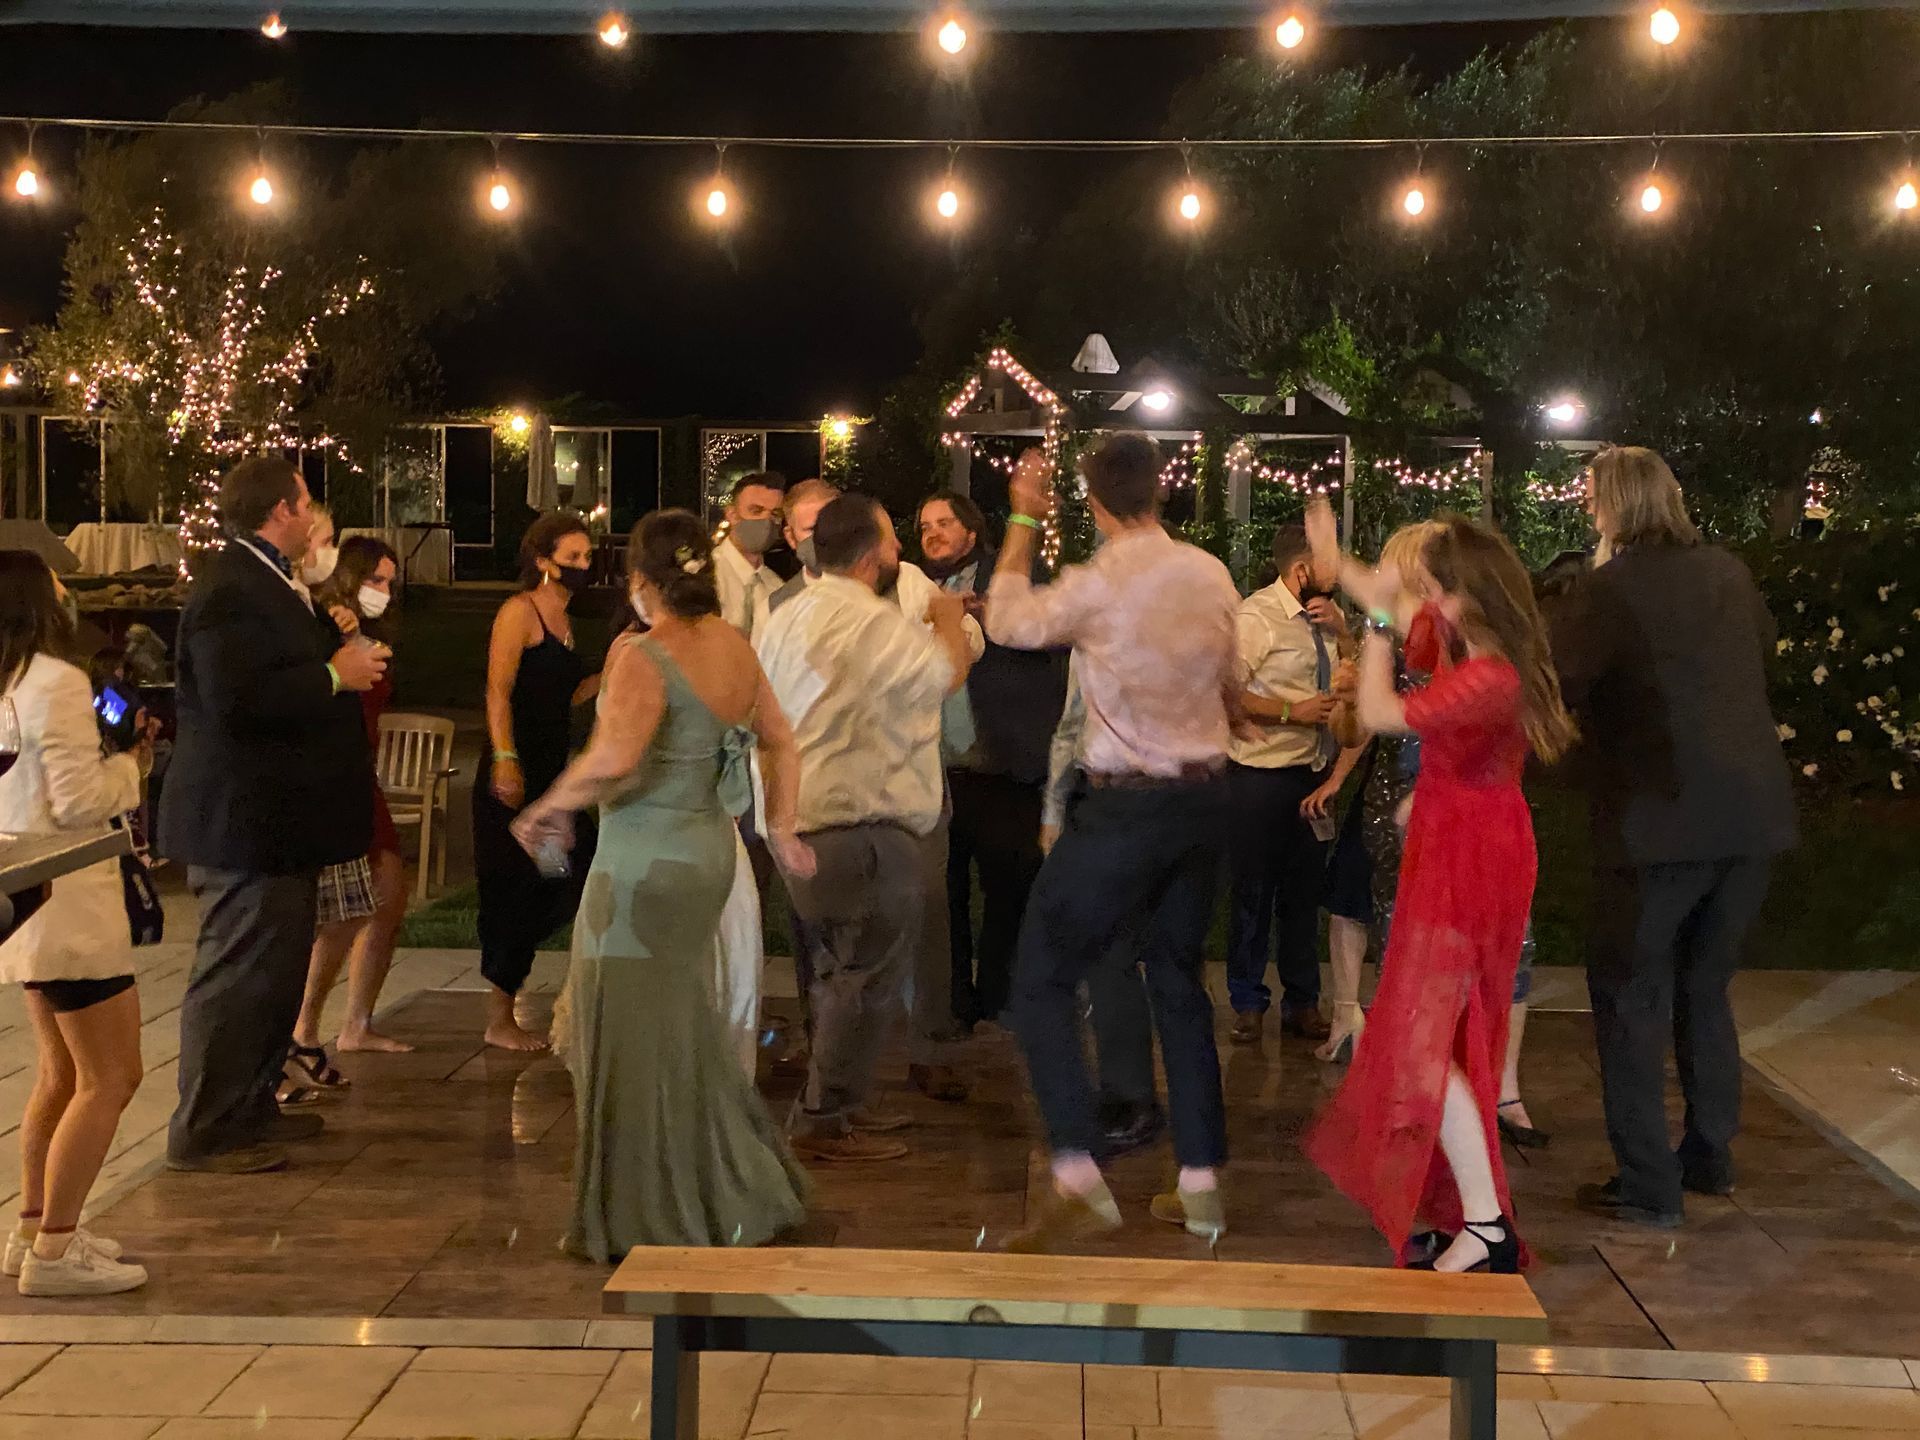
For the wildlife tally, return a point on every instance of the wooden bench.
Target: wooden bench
(1076, 1309)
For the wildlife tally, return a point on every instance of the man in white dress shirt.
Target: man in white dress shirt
(862, 686)
(739, 560)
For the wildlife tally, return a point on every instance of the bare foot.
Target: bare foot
(507, 1035)
(372, 1041)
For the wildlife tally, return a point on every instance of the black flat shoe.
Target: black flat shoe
(1609, 1200)
(1523, 1137)
(1503, 1249)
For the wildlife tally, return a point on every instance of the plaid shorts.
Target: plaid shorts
(346, 892)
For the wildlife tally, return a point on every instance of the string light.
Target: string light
(717, 201)
(26, 181)
(273, 27)
(948, 203)
(1664, 26)
(499, 187)
(1053, 425)
(1651, 197)
(1290, 32)
(8, 378)
(952, 36)
(519, 423)
(261, 190)
(1190, 204)
(1414, 201)
(1906, 197)
(613, 30)
(1157, 401)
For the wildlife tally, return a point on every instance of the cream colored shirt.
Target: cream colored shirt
(862, 687)
(1276, 647)
(744, 588)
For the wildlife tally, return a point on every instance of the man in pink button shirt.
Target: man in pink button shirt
(1151, 622)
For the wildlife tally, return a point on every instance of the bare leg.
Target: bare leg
(1347, 950)
(503, 1030)
(104, 1041)
(1463, 1139)
(373, 956)
(330, 946)
(1511, 1106)
(53, 1085)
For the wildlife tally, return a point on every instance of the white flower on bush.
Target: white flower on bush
(1819, 674)
(1834, 637)
(1874, 702)
(1810, 770)
(1885, 591)
(1871, 661)
(1800, 608)
(1833, 621)
(1845, 737)
(1780, 647)
(1886, 657)
(1897, 780)
(1787, 732)
(1901, 651)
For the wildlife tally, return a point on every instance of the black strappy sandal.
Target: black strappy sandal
(1503, 1249)
(1524, 1137)
(318, 1071)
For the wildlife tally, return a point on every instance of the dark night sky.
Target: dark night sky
(611, 291)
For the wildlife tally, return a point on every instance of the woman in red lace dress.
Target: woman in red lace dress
(1412, 1133)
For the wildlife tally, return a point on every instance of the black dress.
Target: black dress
(519, 907)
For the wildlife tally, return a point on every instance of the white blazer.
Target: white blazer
(62, 782)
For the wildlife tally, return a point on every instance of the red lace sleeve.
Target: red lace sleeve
(1476, 693)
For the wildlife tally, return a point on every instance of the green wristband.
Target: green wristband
(513, 755)
(333, 675)
(1381, 617)
(1026, 520)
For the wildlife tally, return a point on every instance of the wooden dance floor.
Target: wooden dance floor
(441, 1186)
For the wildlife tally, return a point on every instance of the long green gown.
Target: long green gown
(674, 1144)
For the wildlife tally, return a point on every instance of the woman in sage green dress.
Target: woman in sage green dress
(674, 1145)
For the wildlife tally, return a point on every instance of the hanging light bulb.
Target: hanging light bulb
(951, 37)
(1414, 202)
(1664, 26)
(613, 30)
(518, 424)
(1190, 206)
(273, 27)
(718, 200)
(261, 190)
(26, 182)
(948, 203)
(1652, 197)
(1906, 197)
(1290, 32)
(500, 194)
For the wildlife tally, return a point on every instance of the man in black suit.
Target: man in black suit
(995, 736)
(271, 781)
(1662, 657)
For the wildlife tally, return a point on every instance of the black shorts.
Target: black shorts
(67, 996)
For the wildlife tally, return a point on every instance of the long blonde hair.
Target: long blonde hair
(1636, 500)
(1479, 567)
(1406, 550)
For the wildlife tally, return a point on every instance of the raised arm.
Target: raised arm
(1019, 615)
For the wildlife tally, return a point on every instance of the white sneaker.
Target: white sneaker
(19, 1243)
(83, 1270)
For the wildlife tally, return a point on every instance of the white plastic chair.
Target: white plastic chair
(414, 766)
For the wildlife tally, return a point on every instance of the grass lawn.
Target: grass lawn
(1847, 899)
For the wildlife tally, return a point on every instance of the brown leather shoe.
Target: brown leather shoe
(1247, 1025)
(852, 1146)
(938, 1082)
(1062, 1219)
(1199, 1212)
(1307, 1024)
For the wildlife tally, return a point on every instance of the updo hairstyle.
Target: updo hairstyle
(672, 551)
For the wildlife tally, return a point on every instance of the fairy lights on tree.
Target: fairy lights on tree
(212, 362)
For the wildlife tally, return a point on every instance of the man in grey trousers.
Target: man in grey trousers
(271, 780)
(862, 684)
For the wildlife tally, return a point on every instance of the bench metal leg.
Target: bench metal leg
(676, 1379)
(1476, 1389)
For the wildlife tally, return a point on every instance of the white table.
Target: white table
(118, 549)
(431, 564)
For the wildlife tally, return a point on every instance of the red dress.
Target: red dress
(1446, 982)
(373, 704)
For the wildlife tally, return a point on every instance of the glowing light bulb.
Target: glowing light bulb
(948, 204)
(9, 378)
(261, 191)
(952, 37)
(500, 196)
(840, 429)
(518, 424)
(73, 377)
(1414, 202)
(1664, 26)
(273, 27)
(1156, 400)
(717, 202)
(1564, 412)
(1290, 32)
(1651, 197)
(1190, 205)
(1906, 197)
(613, 32)
(27, 183)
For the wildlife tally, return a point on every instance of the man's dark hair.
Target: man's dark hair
(764, 479)
(252, 488)
(847, 529)
(964, 510)
(1123, 474)
(1290, 546)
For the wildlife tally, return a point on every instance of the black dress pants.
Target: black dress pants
(1130, 862)
(1279, 872)
(996, 829)
(1666, 942)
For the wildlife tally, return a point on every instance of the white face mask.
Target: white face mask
(373, 603)
(640, 608)
(318, 564)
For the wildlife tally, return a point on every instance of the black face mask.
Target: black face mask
(575, 577)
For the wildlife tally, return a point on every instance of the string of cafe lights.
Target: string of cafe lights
(951, 39)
